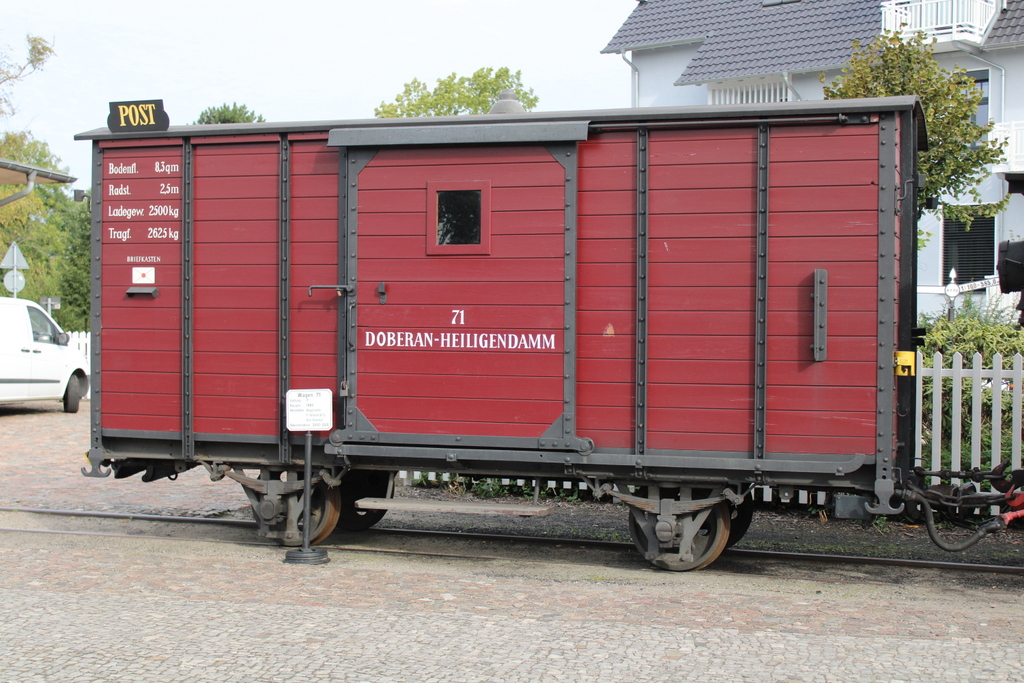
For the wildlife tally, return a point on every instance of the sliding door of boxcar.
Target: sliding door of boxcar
(461, 283)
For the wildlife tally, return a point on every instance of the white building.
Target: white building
(685, 52)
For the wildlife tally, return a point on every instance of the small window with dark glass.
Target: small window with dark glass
(459, 217)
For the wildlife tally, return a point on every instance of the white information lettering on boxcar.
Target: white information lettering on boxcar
(122, 169)
(485, 341)
(164, 167)
(123, 212)
(161, 233)
(121, 189)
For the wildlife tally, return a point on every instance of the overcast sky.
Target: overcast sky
(299, 60)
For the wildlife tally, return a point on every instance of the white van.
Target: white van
(36, 363)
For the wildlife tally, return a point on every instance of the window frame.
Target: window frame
(481, 249)
(38, 319)
(968, 248)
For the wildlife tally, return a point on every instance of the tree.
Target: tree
(52, 231)
(73, 219)
(13, 71)
(229, 113)
(28, 221)
(958, 155)
(456, 94)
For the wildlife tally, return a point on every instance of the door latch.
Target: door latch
(340, 289)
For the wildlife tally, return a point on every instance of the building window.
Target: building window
(459, 218)
(981, 81)
(971, 253)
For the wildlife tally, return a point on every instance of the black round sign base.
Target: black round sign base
(306, 556)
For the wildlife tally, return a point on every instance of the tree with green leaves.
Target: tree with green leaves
(229, 113)
(456, 94)
(51, 230)
(30, 220)
(12, 70)
(958, 154)
(73, 219)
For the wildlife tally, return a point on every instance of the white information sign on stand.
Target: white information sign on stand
(309, 410)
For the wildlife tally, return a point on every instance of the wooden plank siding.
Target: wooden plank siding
(235, 275)
(702, 194)
(140, 339)
(823, 214)
(606, 292)
(313, 324)
(823, 196)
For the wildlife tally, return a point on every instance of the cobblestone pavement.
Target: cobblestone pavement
(56, 445)
(85, 608)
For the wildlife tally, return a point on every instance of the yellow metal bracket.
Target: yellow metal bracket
(904, 363)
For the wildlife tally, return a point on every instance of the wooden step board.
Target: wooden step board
(410, 505)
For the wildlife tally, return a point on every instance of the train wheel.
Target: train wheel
(708, 543)
(361, 484)
(743, 516)
(325, 507)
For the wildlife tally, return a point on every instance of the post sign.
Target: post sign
(309, 410)
(138, 116)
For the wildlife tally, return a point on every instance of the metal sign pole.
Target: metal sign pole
(307, 410)
(307, 555)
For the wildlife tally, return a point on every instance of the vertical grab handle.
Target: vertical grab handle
(820, 298)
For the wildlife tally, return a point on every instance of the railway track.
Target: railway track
(591, 544)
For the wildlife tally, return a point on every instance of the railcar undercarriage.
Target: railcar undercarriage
(673, 526)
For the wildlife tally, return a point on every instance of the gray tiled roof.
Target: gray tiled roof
(1009, 26)
(745, 38)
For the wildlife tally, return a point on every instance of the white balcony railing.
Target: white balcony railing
(748, 91)
(1013, 133)
(943, 20)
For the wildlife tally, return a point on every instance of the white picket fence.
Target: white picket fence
(1003, 383)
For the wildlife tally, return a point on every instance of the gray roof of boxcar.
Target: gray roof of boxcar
(595, 118)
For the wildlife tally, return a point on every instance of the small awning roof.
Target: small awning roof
(16, 173)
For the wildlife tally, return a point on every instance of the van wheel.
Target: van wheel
(72, 395)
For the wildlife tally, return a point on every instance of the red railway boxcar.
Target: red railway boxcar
(671, 305)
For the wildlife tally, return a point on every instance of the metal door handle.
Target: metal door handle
(820, 301)
(340, 289)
